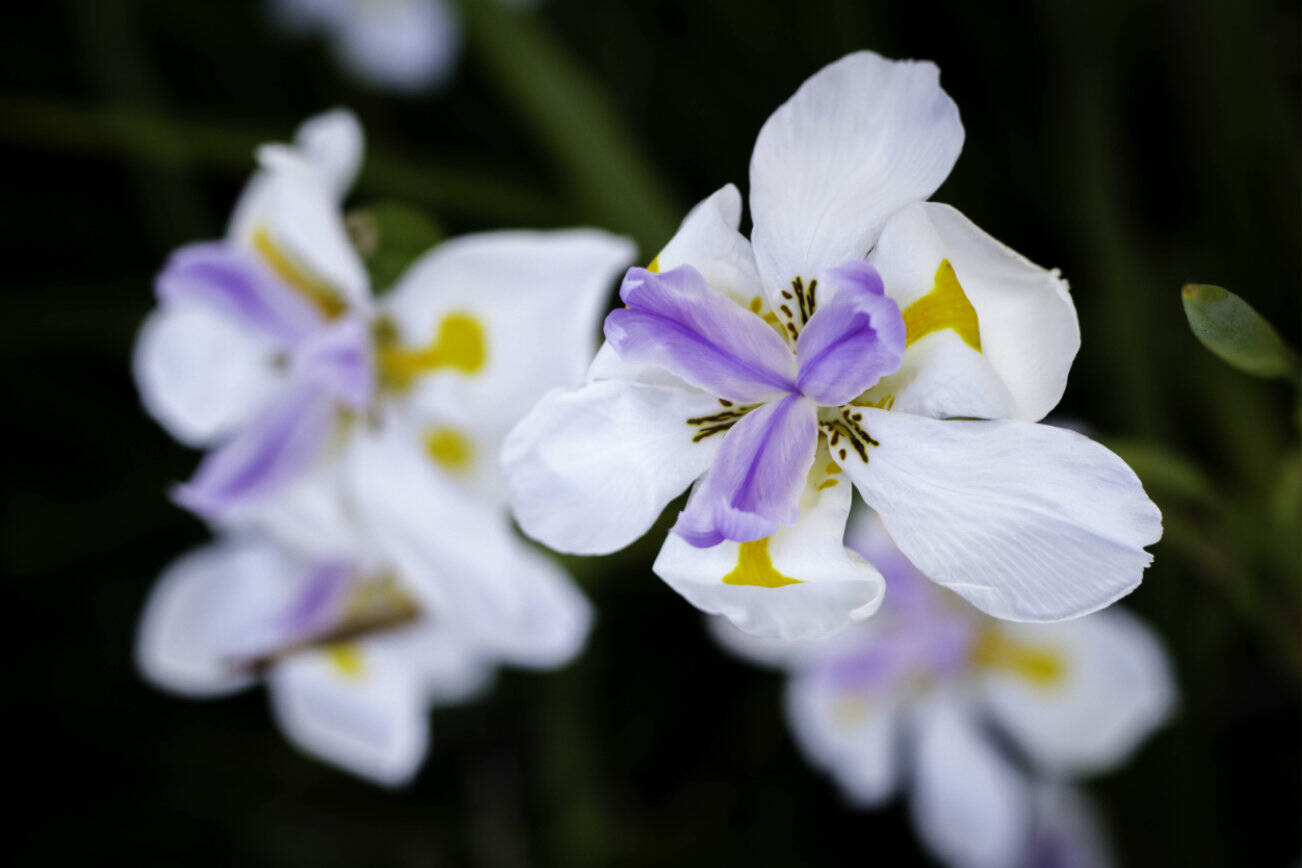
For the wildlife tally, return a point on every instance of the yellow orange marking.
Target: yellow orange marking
(755, 567)
(945, 307)
(654, 267)
(449, 448)
(756, 304)
(1041, 665)
(832, 468)
(317, 291)
(346, 658)
(460, 344)
(827, 483)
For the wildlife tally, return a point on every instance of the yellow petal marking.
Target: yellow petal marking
(449, 448)
(346, 658)
(460, 344)
(321, 294)
(755, 567)
(1041, 665)
(654, 267)
(945, 307)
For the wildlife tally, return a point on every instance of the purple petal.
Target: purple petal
(233, 280)
(269, 452)
(338, 357)
(754, 485)
(851, 341)
(315, 608)
(673, 320)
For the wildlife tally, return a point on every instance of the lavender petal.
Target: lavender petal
(754, 485)
(851, 341)
(277, 445)
(232, 279)
(676, 322)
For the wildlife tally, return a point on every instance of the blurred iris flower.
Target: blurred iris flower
(345, 429)
(981, 720)
(406, 46)
(777, 367)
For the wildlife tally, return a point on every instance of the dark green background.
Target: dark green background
(1134, 145)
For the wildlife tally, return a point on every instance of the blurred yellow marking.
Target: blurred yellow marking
(1041, 665)
(945, 307)
(755, 567)
(320, 293)
(449, 448)
(346, 658)
(832, 468)
(756, 304)
(460, 345)
(654, 267)
(827, 483)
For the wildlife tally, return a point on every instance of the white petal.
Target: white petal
(201, 373)
(295, 205)
(333, 142)
(536, 301)
(310, 516)
(761, 650)
(1028, 330)
(1025, 521)
(365, 712)
(834, 586)
(462, 557)
(853, 736)
(452, 667)
(708, 241)
(970, 806)
(211, 607)
(591, 469)
(862, 138)
(1111, 687)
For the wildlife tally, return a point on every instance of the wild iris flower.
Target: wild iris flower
(323, 407)
(350, 659)
(907, 701)
(861, 336)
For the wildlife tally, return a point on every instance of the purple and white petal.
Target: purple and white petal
(339, 359)
(266, 454)
(754, 485)
(851, 341)
(232, 280)
(676, 321)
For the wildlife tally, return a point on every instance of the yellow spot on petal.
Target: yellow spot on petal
(450, 449)
(320, 293)
(755, 567)
(460, 344)
(1041, 665)
(756, 304)
(827, 483)
(654, 267)
(346, 658)
(832, 468)
(945, 307)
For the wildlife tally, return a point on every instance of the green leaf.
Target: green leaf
(1229, 327)
(389, 236)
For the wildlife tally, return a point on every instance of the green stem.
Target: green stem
(574, 118)
(175, 143)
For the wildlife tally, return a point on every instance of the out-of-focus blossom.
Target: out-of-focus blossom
(400, 45)
(407, 46)
(352, 660)
(861, 336)
(972, 715)
(330, 414)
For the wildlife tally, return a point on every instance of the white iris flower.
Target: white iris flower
(862, 337)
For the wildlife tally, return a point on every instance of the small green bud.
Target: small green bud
(1229, 327)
